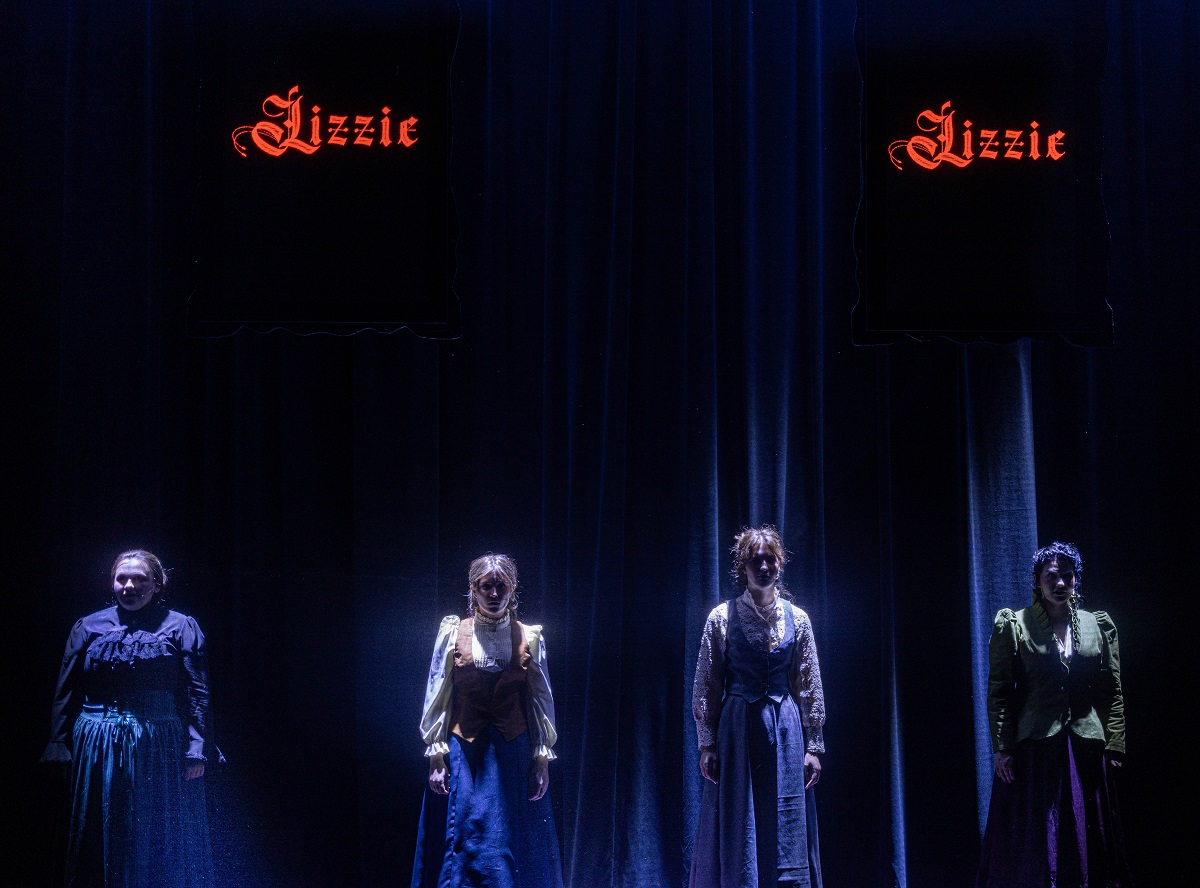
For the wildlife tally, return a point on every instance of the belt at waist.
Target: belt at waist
(151, 705)
(753, 695)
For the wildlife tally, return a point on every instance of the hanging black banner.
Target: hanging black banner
(981, 213)
(324, 200)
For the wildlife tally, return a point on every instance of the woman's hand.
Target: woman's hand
(1004, 766)
(437, 775)
(539, 777)
(193, 768)
(709, 764)
(1113, 759)
(812, 770)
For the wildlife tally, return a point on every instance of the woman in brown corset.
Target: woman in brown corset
(488, 727)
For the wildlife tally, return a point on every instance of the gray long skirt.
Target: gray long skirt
(758, 825)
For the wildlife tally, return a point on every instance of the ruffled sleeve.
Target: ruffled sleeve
(68, 696)
(541, 700)
(435, 717)
(195, 669)
(805, 682)
(1110, 700)
(1002, 689)
(709, 685)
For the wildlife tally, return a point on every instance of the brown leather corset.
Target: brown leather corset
(488, 698)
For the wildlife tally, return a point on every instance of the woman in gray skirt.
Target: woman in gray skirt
(759, 711)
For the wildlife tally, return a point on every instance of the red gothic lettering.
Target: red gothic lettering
(929, 152)
(1012, 141)
(406, 127)
(987, 150)
(280, 132)
(315, 132)
(1052, 149)
(337, 126)
(924, 151)
(269, 137)
(385, 127)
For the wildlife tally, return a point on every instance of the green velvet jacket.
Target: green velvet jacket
(1033, 693)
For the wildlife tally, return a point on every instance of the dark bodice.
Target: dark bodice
(751, 673)
(132, 661)
(121, 665)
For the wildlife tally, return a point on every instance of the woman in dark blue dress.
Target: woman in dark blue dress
(760, 712)
(488, 726)
(130, 716)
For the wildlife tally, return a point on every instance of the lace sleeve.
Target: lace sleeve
(805, 682)
(436, 715)
(709, 686)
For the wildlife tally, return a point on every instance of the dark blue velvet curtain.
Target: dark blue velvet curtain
(655, 205)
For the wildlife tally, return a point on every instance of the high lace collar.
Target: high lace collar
(501, 623)
(768, 612)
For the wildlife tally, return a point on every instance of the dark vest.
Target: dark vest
(751, 673)
(488, 698)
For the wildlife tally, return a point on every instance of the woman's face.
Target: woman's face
(492, 595)
(761, 569)
(1056, 583)
(133, 584)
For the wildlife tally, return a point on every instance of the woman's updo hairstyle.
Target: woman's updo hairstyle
(746, 543)
(158, 573)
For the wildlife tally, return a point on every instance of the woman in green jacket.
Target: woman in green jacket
(1058, 733)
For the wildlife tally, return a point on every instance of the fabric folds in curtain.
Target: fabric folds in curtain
(655, 209)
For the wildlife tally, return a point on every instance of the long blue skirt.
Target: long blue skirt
(486, 833)
(758, 825)
(135, 822)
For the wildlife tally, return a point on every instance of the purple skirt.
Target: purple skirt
(1057, 824)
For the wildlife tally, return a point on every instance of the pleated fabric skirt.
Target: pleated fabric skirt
(758, 825)
(135, 822)
(486, 833)
(1057, 825)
